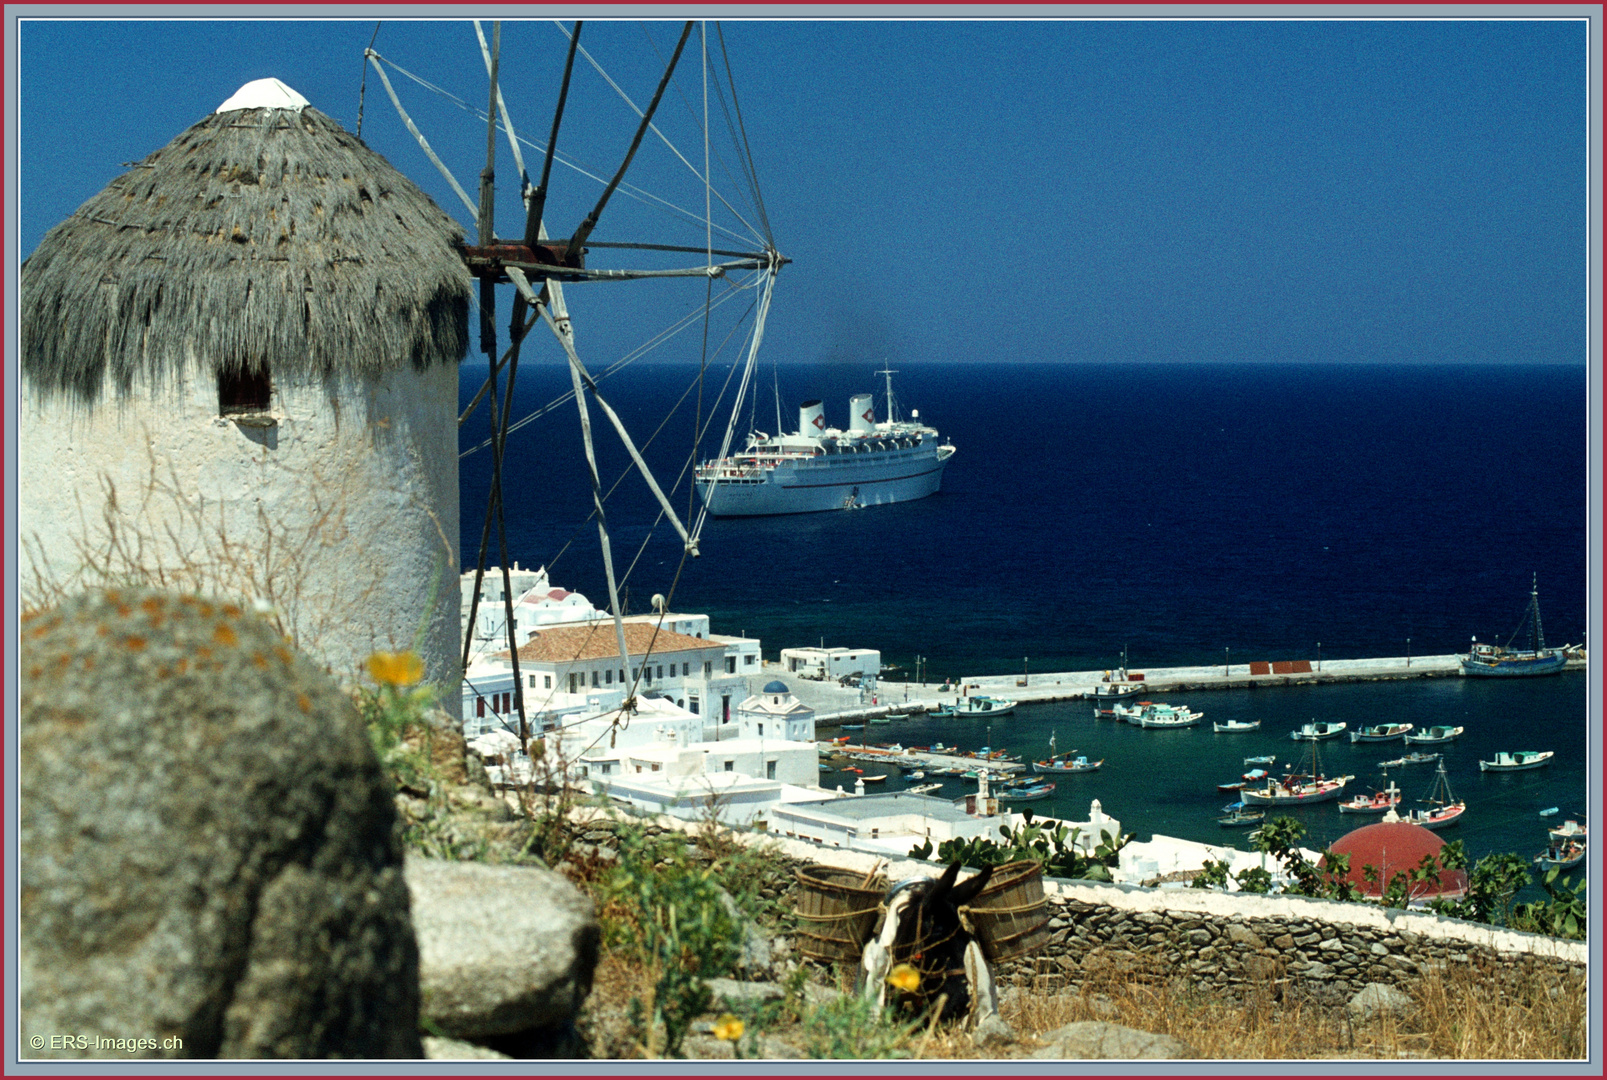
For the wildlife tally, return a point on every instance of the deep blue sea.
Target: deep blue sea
(1174, 510)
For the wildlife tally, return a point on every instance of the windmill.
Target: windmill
(538, 266)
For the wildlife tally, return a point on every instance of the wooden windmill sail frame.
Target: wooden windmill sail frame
(538, 267)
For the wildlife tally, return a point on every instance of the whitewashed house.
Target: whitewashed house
(834, 663)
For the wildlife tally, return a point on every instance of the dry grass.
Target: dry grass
(1466, 1012)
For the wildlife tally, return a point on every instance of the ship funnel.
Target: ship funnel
(811, 418)
(862, 413)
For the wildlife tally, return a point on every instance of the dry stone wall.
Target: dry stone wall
(1230, 943)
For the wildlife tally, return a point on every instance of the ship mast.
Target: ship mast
(892, 413)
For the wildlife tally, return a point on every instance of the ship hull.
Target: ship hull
(827, 482)
(1512, 667)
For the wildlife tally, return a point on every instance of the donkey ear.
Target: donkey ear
(940, 888)
(964, 894)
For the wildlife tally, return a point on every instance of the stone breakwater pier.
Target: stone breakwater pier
(835, 704)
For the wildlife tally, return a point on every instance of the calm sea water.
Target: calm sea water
(1174, 510)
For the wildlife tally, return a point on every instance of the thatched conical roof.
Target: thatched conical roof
(258, 236)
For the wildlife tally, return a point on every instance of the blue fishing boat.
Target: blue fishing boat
(1497, 660)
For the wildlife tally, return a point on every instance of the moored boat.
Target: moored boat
(1517, 760)
(1378, 802)
(1379, 732)
(1316, 731)
(1261, 759)
(1155, 714)
(1444, 808)
(976, 705)
(1487, 660)
(1237, 725)
(1569, 830)
(1298, 788)
(1236, 814)
(1064, 763)
(1026, 794)
(1561, 856)
(1439, 733)
(1417, 758)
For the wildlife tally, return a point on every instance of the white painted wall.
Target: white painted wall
(343, 514)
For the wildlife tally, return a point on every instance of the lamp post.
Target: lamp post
(1225, 661)
(1319, 657)
(1024, 660)
(1408, 652)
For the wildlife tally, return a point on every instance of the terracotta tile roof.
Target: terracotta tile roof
(596, 641)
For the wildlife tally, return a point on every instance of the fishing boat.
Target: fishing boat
(1026, 794)
(1262, 759)
(1237, 725)
(1156, 714)
(1439, 733)
(1417, 758)
(1315, 731)
(1118, 685)
(873, 779)
(1378, 802)
(1443, 808)
(1569, 830)
(924, 789)
(976, 705)
(1486, 660)
(1065, 763)
(1517, 760)
(1550, 811)
(1227, 789)
(853, 727)
(1379, 732)
(1308, 785)
(1561, 856)
(1237, 814)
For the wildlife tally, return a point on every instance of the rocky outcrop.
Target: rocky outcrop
(506, 954)
(208, 852)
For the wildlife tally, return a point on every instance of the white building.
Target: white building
(196, 408)
(777, 711)
(536, 602)
(662, 759)
(834, 663)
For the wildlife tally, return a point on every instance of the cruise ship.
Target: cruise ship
(825, 468)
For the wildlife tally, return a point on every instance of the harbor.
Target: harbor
(835, 704)
(1159, 782)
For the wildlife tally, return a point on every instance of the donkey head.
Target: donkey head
(926, 945)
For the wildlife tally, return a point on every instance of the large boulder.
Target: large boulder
(208, 852)
(506, 954)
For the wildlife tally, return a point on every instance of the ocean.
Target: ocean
(1182, 512)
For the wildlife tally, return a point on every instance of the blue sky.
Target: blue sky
(1131, 191)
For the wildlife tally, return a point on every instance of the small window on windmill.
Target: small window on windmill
(245, 394)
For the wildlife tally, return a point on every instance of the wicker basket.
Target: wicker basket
(1010, 916)
(837, 910)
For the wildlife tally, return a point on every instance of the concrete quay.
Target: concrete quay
(835, 705)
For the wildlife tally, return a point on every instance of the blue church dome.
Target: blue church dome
(775, 686)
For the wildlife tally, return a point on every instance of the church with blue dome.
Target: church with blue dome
(775, 713)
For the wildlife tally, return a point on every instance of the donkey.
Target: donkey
(922, 929)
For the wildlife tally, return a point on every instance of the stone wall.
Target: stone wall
(1232, 943)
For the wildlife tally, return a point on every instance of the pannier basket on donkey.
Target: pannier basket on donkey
(925, 941)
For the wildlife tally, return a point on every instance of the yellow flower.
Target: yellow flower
(396, 669)
(728, 1028)
(905, 977)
